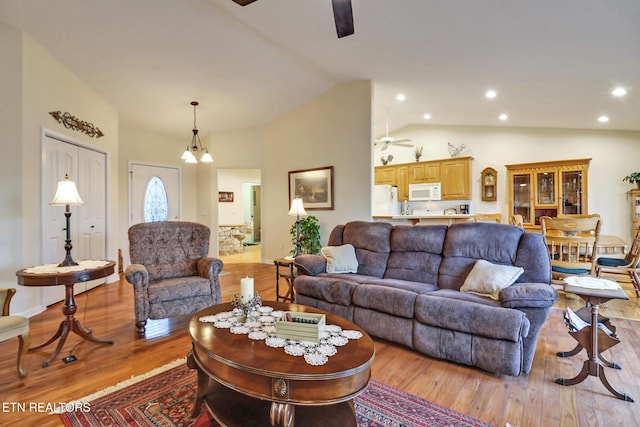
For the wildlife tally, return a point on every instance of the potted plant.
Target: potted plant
(633, 177)
(309, 236)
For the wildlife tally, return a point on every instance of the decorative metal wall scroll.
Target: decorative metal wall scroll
(72, 122)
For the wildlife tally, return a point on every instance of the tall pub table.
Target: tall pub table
(594, 338)
(68, 277)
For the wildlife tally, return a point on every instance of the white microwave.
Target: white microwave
(431, 191)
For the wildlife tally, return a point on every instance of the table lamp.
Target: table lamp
(67, 195)
(297, 209)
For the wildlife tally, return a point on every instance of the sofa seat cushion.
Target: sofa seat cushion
(472, 318)
(465, 296)
(178, 288)
(333, 288)
(385, 299)
(407, 285)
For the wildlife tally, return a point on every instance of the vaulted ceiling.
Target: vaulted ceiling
(553, 63)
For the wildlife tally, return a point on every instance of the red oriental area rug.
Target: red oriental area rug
(164, 397)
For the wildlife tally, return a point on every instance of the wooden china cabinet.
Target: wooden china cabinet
(556, 189)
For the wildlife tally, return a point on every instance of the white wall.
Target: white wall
(35, 84)
(614, 154)
(333, 129)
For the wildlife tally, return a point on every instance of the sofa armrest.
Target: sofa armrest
(311, 265)
(209, 267)
(138, 276)
(528, 295)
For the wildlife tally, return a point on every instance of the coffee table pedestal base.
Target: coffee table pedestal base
(233, 409)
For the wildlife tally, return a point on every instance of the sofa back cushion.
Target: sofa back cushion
(168, 248)
(465, 243)
(371, 241)
(416, 253)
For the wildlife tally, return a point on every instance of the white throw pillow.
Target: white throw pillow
(340, 259)
(487, 279)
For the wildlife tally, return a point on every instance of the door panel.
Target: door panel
(88, 169)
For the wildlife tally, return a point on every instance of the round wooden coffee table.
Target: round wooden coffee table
(247, 383)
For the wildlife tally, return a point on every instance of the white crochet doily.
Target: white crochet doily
(261, 327)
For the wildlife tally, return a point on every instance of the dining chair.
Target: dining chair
(517, 220)
(572, 244)
(627, 266)
(14, 326)
(487, 217)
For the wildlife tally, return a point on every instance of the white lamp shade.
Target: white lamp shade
(297, 208)
(206, 158)
(66, 194)
(186, 154)
(190, 158)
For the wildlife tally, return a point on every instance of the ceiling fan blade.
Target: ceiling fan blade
(384, 147)
(243, 2)
(343, 15)
(395, 141)
(403, 145)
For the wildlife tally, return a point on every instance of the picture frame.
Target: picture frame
(225, 196)
(313, 186)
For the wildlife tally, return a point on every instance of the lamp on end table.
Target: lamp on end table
(297, 209)
(67, 195)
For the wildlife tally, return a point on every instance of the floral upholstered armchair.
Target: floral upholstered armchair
(170, 271)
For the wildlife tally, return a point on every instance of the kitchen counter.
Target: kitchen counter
(423, 219)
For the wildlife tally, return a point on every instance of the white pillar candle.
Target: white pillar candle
(246, 289)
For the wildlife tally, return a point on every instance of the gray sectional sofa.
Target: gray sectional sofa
(406, 289)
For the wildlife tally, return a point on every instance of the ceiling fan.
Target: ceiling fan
(342, 15)
(389, 140)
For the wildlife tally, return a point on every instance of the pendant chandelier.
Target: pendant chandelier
(195, 149)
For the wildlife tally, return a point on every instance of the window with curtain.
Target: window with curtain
(156, 205)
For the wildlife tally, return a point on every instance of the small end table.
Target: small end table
(594, 339)
(288, 275)
(68, 279)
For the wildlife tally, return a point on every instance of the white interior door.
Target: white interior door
(140, 175)
(88, 221)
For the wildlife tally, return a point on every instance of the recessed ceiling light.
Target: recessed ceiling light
(503, 117)
(401, 97)
(619, 92)
(491, 94)
(427, 116)
(603, 119)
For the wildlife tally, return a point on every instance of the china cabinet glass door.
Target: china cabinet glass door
(522, 196)
(571, 182)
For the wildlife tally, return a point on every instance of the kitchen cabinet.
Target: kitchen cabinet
(385, 175)
(402, 181)
(424, 172)
(455, 174)
(555, 189)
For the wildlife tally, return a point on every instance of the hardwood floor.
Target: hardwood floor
(528, 400)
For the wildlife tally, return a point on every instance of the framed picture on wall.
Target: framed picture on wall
(313, 186)
(225, 196)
